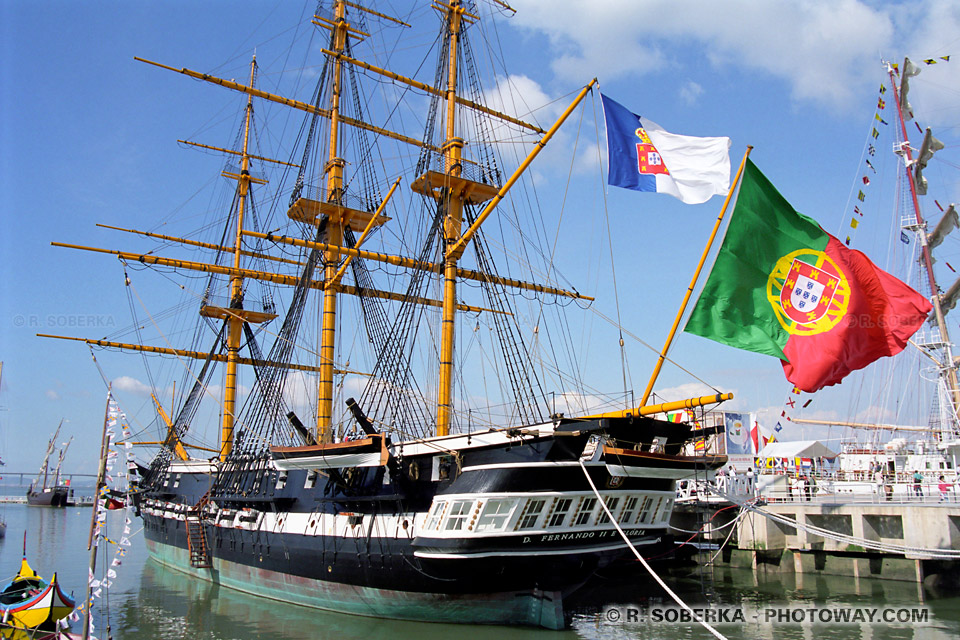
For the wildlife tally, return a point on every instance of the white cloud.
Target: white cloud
(524, 98)
(571, 403)
(51, 394)
(827, 52)
(131, 385)
(683, 391)
(876, 415)
(696, 390)
(300, 392)
(690, 92)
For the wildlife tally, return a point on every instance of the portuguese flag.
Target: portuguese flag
(783, 286)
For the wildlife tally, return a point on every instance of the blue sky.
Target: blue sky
(89, 135)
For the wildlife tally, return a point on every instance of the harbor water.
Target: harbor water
(147, 600)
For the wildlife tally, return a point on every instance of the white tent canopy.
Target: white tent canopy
(796, 449)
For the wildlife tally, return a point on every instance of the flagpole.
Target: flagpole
(92, 544)
(693, 282)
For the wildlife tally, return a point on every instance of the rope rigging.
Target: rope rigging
(264, 418)
(185, 416)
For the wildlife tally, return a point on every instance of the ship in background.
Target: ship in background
(391, 494)
(917, 391)
(45, 491)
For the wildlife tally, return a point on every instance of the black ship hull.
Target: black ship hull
(56, 497)
(498, 529)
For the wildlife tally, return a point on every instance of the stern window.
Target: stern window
(612, 504)
(645, 510)
(495, 515)
(665, 509)
(585, 512)
(433, 520)
(560, 510)
(629, 507)
(458, 514)
(650, 510)
(531, 514)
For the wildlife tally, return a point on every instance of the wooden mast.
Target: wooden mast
(235, 321)
(449, 188)
(453, 218)
(334, 193)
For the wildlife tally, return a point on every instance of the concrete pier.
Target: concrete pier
(763, 544)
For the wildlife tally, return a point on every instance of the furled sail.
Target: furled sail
(948, 223)
(909, 70)
(928, 147)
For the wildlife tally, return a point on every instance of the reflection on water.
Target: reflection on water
(148, 600)
(764, 600)
(198, 609)
(170, 606)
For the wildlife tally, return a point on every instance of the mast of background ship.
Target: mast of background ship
(947, 365)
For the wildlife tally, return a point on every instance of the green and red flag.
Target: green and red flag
(783, 286)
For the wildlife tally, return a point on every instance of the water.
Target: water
(148, 601)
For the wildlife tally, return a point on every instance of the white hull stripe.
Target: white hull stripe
(527, 465)
(532, 552)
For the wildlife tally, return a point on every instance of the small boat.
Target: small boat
(12, 633)
(3, 515)
(58, 495)
(49, 497)
(28, 602)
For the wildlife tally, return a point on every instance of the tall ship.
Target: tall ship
(388, 445)
(48, 489)
(908, 408)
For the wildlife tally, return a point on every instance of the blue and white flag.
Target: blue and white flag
(644, 157)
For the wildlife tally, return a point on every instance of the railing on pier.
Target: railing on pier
(781, 488)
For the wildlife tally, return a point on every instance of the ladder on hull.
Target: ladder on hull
(197, 537)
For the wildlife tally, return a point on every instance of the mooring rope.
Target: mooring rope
(646, 566)
(937, 554)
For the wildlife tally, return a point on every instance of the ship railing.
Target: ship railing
(249, 304)
(468, 170)
(909, 222)
(819, 489)
(736, 486)
(929, 338)
(827, 493)
(234, 170)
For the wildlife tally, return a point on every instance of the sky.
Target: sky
(89, 136)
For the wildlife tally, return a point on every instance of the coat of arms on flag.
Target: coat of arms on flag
(649, 160)
(807, 293)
